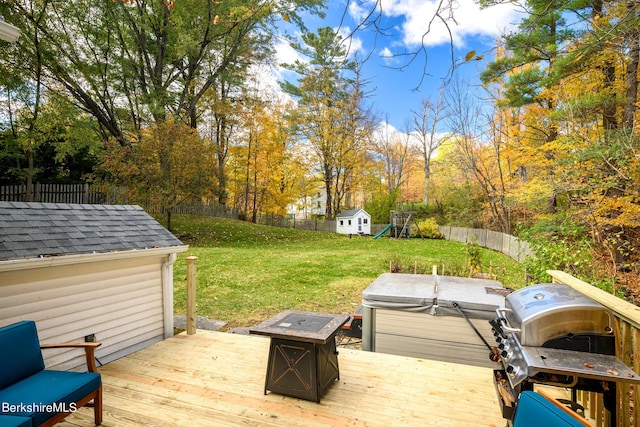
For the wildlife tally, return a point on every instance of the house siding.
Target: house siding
(119, 300)
(347, 222)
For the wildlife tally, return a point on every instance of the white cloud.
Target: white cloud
(352, 43)
(285, 54)
(464, 19)
(434, 23)
(266, 78)
(358, 11)
(387, 56)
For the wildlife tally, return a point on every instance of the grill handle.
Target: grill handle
(503, 320)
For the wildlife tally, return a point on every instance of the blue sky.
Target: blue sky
(408, 26)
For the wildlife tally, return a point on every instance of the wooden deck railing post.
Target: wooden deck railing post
(191, 294)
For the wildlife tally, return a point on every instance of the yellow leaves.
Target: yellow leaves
(216, 20)
(471, 55)
(533, 192)
(620, 211)
(286, 18)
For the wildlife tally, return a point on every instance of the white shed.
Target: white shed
(87, 270)
(353, 221)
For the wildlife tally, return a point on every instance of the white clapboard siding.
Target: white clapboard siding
(120, 301)
(445, 338)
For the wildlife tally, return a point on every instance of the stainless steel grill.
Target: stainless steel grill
(551, 334)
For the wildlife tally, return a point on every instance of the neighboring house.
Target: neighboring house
(307, 207)
(353, 221)
(87, 270)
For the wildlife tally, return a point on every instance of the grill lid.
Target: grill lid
(547, 311)
(539, 300)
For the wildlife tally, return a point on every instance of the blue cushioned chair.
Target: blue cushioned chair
(535, 410)
(31, 395)
(11, 421)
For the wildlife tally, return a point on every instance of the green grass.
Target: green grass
(247, 273)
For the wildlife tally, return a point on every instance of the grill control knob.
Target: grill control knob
(512, 371)
(506, 355)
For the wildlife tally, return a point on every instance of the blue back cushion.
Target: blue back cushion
(534, 410)
(20, 354)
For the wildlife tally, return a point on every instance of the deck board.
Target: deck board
(217, 379)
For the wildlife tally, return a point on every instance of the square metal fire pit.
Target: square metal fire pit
(303, 361)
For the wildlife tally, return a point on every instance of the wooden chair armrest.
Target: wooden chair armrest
(89, 351)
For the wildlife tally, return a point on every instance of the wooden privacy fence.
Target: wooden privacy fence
(197, 208)
(627, 331)
(296, 223)
(507, 244)
(89, 194)
(52, 193)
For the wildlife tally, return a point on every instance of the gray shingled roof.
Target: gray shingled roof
(31, 230)
(348, 213)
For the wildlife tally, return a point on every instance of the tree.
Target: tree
(479, 150)
(424, 124)
(265, 168)
(393, 151)
(585, 97)
(45, 138)
(166, 165)
(529, 69)
(331, 117)
(140, 61)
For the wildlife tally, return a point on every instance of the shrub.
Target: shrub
(473, 254)
(427, 228)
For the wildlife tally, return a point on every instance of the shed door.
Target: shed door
(359, 225)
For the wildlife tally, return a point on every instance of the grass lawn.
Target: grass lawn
(247, 273)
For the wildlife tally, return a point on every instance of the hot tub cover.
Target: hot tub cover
(478, 298)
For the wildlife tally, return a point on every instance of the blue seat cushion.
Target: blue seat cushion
(20, 356)
(11, 421)
(534, 410)
(31, 395)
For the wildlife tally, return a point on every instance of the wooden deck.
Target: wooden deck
(217, 379)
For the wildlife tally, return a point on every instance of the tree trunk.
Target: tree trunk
(328, 209)
(609, 118)
(631, 81)
(247, 192)
(427, 177)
